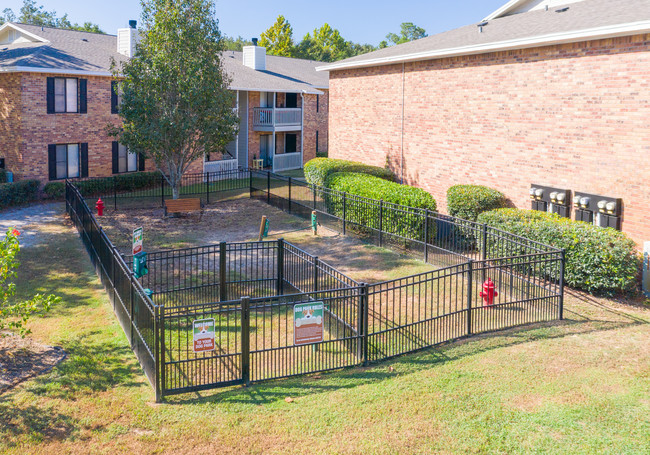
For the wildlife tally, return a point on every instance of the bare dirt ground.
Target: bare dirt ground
(238, 220)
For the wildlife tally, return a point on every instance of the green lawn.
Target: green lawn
(579, 386)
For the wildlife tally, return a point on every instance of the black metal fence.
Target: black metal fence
(135, 191)
(250, 290)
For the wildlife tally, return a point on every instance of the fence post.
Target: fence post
(426, 235)
(345, 203)
(280, 288)
(156, 343)
(162, 354)
(131, 287)
(315, 273)
(470, 267)
(245, 341)
(484, 252)
(381, 221)
(289, 194)
(250, 183)
(562, 263)
(162, 191)
(363, 324)
(114, 193)
(313, 190)
(268, 187)
(223, 291)
(207, 187)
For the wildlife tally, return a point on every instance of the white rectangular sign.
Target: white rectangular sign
(137, 240)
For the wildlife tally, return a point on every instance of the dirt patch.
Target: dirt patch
(24, 358)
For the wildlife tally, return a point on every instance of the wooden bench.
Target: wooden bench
(183, 205)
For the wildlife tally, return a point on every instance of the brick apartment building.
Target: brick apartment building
(552, 93)
(57, 98)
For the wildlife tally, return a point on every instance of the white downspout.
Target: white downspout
(302, 128)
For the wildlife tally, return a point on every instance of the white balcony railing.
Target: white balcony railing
(278, 117)
(287, 161)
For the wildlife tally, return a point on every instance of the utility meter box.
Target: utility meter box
(602, 211)
(140, 264)
(646, 269)
(552, 200)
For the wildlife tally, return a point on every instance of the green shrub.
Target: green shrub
(18, 192)
(319, 169)
(469, 201)
(3, 176)
(367, 186)
(54, 190)
(598, 260)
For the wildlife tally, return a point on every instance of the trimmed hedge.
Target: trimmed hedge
(318, 170)
(367, 215)
(18, 192)
(598, 260)
(469, 201)
(103, 186)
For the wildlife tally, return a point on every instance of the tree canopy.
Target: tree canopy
(278, 39)
(409, 32)
(176, 106)
(31, 13)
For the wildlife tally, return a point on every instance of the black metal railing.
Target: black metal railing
(250, 290)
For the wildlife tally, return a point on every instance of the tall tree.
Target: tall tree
(278, 39)
(326, 45)
(409, 32)
(176, 106)
(7, 16)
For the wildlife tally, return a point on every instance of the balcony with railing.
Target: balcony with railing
(278, 119)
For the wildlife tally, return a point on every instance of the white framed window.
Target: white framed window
(126, 161)
(66, 94)
(67, 161)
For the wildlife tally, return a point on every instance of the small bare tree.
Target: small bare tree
(176, 105)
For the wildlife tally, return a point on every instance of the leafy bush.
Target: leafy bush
(105, 186)
(598, 260)
(14, 313)
(18, 192)
(469, 201)
(3, 176)
(319, 169)
(408, 223)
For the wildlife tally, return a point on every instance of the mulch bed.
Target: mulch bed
(24, 358)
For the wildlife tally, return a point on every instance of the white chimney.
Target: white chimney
(127, 38)
(255, 56)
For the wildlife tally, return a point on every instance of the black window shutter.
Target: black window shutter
(51, 161)
(84, 159)
(116, 166)
(140, 162)
(83, 103)
(317, 102)
(316, 141)
(50, 95)
(114, 89)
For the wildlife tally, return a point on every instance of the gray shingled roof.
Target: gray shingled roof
(580, 16)
(82, 51)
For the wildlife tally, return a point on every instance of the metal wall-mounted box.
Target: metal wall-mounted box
(549, 199)
(602, 211)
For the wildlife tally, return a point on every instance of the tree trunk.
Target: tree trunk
(175, 190)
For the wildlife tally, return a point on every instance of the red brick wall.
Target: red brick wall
(571, 116)
(10, 121)
(39, 129)
(315, 121)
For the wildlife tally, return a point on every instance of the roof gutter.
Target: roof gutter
(609, 31)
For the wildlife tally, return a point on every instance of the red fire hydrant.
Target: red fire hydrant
(100, 207)
(489, 293)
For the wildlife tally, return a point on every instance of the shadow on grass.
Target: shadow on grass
(427, 358)
(20, 420)
(89, 368)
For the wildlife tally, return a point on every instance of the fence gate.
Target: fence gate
(203, 346)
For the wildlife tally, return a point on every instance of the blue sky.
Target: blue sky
(359, 21)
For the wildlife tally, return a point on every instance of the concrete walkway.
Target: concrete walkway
(29, 219)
